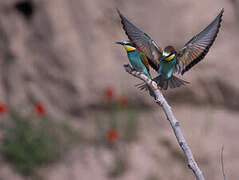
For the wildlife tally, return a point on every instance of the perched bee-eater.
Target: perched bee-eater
(137, 60)
(167, 61)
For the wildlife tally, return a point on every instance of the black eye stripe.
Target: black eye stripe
(169, 55)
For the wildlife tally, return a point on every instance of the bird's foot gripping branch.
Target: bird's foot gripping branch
(173, 121)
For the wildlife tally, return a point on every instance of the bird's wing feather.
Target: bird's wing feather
(141, 39)
(196, 49)
(145, 61)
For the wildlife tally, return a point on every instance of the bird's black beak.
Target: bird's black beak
(121, 43)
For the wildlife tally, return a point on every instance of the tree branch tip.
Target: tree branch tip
(222, 163)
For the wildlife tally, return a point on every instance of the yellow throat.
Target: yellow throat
(170, 58)
(129, 48)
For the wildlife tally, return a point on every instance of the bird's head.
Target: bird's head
(169, 53)
(127, 45)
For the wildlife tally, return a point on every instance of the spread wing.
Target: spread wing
(143, 41)
(197, 48)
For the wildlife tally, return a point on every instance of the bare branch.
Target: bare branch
(160, 100)
(222, 162)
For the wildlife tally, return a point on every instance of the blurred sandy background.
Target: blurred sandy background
(63, 55)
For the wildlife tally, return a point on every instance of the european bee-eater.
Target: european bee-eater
(168, 61)
(137, 60)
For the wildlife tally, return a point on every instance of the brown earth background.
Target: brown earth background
(64, 56)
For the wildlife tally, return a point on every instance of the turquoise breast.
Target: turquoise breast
(136, 62)
(167, 68)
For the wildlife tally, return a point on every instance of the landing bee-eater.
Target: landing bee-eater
(168, 61)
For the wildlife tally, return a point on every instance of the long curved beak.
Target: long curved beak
(121, 43)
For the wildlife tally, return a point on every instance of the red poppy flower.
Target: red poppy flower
(3, 108)
(40, 110)
(112, 135)
(109, 93)
(123, 101)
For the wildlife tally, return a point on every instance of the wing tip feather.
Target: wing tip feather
(203, 54)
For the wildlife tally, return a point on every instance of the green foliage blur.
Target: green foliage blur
(31, 141)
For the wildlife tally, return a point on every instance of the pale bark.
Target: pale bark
(160, 100)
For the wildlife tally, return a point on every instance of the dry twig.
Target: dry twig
(173, 121)
(222, 162)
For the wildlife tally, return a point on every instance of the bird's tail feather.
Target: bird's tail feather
(145, 87)
(173, 82)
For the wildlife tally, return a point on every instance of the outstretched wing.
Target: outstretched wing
(197, 48)
(143, 41)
